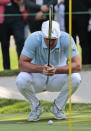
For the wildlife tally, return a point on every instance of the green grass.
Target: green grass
(13, 59)
(15, 117)
(21, 106)
(80, 51)
(18, 122)
(9, 72)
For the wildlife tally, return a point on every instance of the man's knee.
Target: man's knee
(23, 80)
(76, 80)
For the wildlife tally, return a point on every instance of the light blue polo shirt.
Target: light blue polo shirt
(36, 49)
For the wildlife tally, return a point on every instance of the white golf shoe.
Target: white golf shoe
(35, 114)
(59, 114)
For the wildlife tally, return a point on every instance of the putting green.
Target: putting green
(81, 121)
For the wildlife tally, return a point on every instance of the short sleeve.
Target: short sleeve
(29, 47)
(74, 51)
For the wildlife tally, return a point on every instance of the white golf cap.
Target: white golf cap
(55, 29)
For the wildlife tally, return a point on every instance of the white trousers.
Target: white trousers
(30, 84)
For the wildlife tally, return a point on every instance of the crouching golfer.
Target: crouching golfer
(36, 76)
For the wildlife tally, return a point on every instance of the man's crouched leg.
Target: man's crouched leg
(60, 102)
(24, 85)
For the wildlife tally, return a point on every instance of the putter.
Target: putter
(50, 30)
(49, 37)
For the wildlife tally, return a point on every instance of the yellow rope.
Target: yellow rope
(70, 32)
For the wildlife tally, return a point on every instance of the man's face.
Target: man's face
(52, 42)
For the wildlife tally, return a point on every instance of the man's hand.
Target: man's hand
(49, 70)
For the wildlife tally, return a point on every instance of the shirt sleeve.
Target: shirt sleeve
(29, 47)
(74, 51)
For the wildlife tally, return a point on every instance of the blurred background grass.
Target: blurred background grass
(13, 56)
(13, 59)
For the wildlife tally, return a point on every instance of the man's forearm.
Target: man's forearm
(29, 67)
(65, 69)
